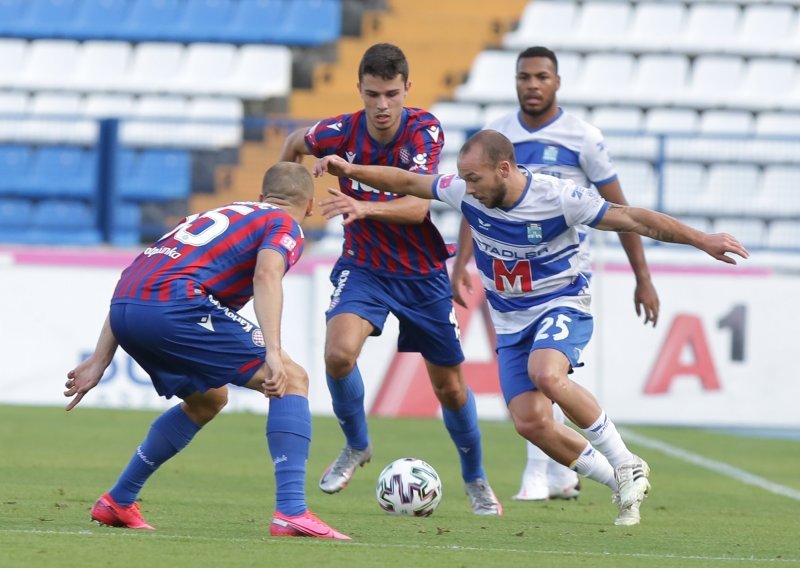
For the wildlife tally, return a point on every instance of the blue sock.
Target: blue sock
(289, 439)
(168, 435)
(347, 395)
(462, 424)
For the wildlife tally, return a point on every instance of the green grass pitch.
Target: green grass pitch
(212, 503)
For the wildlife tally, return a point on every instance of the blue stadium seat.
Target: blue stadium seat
(97, 19)
(15, 161)
(310, 22)
(150, 20)
(154, 175)
(12, 16)
(204, 20)
(126, 224)
(16, 216)
(254, 20)
(63, 171)
(60, 221)
(48, 19)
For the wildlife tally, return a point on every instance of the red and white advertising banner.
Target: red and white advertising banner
(718, 356)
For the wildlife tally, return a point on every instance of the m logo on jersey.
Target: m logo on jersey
(534, 233)
(550, 155)
(337, 126)
(434, 131)
(350, 156)
(516, 279)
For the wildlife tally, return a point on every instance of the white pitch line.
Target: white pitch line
(322, 542)
(713, 465)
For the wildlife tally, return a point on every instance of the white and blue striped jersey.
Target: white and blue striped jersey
(566, 147)
(527, 255)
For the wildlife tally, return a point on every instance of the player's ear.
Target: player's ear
(310, 207)
(505, 168)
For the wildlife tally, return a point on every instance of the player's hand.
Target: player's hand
(460, 280)
(719, 245)
(340, 204)
(645, 299)
(277, 380)
(82, 379)
(334, 165)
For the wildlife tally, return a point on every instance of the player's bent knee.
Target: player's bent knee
(339, 361)
(203, 407)
(298, 380)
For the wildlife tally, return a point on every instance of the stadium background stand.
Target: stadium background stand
(698, 100)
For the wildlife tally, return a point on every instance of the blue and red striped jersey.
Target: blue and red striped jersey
(389, 248)
(211, 253)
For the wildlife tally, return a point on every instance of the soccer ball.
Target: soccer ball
(409, 486)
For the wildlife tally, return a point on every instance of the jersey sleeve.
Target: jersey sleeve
(285, 236)
(426, 141)
(449, 189)
(327, 136)
(595, 160)
(581, 205)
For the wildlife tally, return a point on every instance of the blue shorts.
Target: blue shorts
(189, 347)
(424, 307)
(564, 329)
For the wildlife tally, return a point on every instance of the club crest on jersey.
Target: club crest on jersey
(420, 161)
(434, 131)
(550, 155)
(288, 243)
(534, 232)
(404, 155)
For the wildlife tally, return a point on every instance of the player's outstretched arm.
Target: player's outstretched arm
(294, 147)
(669, 230)
(268, 306)
(385, 178)
(85, 376)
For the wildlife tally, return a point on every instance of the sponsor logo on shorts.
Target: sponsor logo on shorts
(340, 283)
(229, 313)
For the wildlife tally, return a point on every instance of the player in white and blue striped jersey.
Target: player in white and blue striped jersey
(549, 140)
(525, 241)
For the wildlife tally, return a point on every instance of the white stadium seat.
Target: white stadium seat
(780, 193)
(105, 105)
(670, 120)
(603, 80)
(709, 28)
(778, 124)
(658, 79)
(684, 183)
(260, 72)
(101, 66)
(205, 69)
(213, 122)
(543, 22)
(729, 186)
(158, 121)
(599, 26)
(767, 84)
(654, 27)
(54, 118)
(454, 115)
(750, 232)
(15, 104)
(713, 78)
(491, 78)
(726, 122)
(13, 55)
(153, 68)
(49, 65)
(783, 234)
(766, 29)
(495, 111)
(638, 182)
(619, 119)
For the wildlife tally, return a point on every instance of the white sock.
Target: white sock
(594, 465)
(603, 435)
(536, 466)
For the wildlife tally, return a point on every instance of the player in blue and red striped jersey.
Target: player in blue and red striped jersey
(174, 312)
(393, 260)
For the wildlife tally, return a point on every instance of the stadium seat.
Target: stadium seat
(599, 26)
(709, 28)
(49, 65)
(780, 194)
(455, 115)
(157, 121)
(62, 171)
(784, 235)
(683, 184)
(13, 55)
(150, 20)
(15, 214)
(64, 222)
(15, 163)
(619, 119)
(726, 122)
(491, 78)
(101, 105)
(13, 109)
(767, 84)
(213, 123)
(544, 22)
(728, 187)
(750, 232)
(766, 30)
(603, 80)
(96, 19)
(203, 20)
(494, 111)
(260, 72)
(638, 181)
(713, 79)
(206, 69)
(308, 22)
(47, 19)
(126, 224)
(252, 20)
(101, 66)
(55, 118)
(154, 175)
(657, 80)
(154, 67)
(670, 120)
(12, 15)
(777, 124)
(654, 26)
(570, 69)
(700, 223)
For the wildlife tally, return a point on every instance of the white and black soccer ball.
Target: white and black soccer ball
(409, 486)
